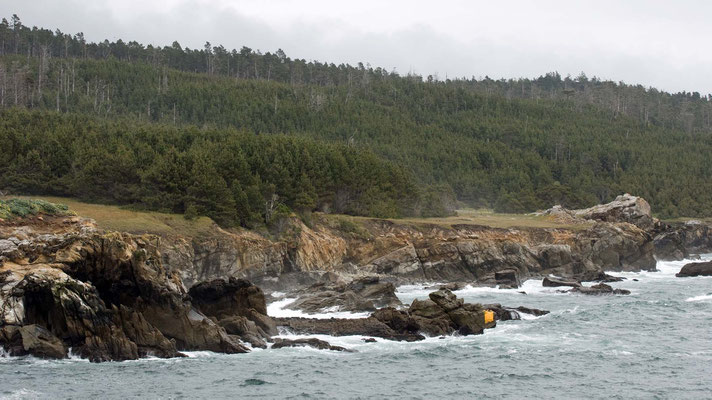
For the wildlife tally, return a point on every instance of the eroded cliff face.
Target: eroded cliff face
(107, 296)
(403, 252)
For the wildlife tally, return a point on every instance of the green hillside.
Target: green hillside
(132, 124)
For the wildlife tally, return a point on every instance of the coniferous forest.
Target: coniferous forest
(244, 136)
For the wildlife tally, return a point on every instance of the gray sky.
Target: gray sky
(657, 43)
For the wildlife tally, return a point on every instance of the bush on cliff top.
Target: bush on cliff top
(20, 208)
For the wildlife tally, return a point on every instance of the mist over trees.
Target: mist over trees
(185, 130)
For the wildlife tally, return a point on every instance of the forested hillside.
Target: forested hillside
(336, 138)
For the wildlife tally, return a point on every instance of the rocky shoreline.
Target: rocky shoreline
(117, 296)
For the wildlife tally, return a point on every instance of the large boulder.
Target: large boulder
(696, 269)
(625, 208)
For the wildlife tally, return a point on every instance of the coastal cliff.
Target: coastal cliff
(613, 237)
(67, 286)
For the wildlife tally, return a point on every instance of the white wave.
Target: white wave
(665, 269)
(704, 297)
(277, 309)
(198, 354)
(277, 294)
(532, 286)
(22, 394)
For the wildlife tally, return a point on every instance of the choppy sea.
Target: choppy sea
(654, 344)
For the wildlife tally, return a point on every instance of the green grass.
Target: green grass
(11, 208)
(483, 217)
(121, 219)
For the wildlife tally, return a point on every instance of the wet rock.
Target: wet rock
(238, 306)
(557, 282)
(503, 313)
(345, 327)
(449, 286)
(369, 340)
(600, 289)
(105, 295)
(220, 298)
(507, 279)
(32, 340)
(365, 294)
(696, 269)
(598, 276)
(308, 342)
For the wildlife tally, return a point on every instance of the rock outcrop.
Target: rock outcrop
(625, 208)
(696, 269)
(600, 289)
(682, 240)
(105, 295)
(362, 294)
(307, 342)
(615, 238)
(238, 306)
(441, 314)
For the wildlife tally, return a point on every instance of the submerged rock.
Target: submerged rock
(557, 282)
(598, 276)
(308, 342)
(599, 290)
(696, 269)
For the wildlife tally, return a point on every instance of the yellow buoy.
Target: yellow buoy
(489, 316)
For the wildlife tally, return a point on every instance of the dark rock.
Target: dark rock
(696, 269)
(508, 279)
(449, 286)
(511, 313)
(442, 314)
(31, 340)
(308, 342)
(222, 298)
(598, 276)
(556, 282)
(345, 327)
(369, 340)
(238, 306)
(365, 294)
(600, 289)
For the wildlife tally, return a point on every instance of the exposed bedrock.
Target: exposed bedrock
(238, 306)
(106, 296)
(682, 240)
(404, 253)
(362, 294)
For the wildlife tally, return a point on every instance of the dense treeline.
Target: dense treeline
(493, 147)
(233, 176)
(690, 111)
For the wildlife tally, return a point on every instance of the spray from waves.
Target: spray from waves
(665, 269)
(277, 309)
(21, 394)
(704, 297)
(532, 286)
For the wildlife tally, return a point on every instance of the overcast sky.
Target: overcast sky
(665, 44)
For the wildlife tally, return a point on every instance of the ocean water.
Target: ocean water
(655, 343)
